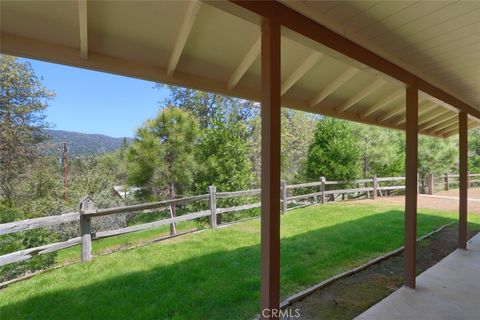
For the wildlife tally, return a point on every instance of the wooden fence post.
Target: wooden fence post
(86, 229)
(418, 182)
(173, 225)
(447, 186)
(284, 196)
(322, 189)
(213, 206)
(375, 187)
(468, 180)
(431, 183)
(173, 209)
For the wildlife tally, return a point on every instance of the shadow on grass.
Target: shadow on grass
(220, 285)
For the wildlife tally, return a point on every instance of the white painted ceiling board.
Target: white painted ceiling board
(455, 11)
(410, 13)
(45, 20)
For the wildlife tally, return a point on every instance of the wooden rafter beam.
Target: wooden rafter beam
(315, 31)
(183, 33)
(83, 27)
(438, 120)
(454, 129)
(334, 85)
(302, 69)
(392, 113)
(444, 125)
(245, 64)
(431, 116)
(428, 107)
(385, 101)
(449, 130)
(368, 90)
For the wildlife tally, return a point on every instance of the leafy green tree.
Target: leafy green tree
(333, 153)
(224, 158)
(211, 108)
(298, 129)
(254, 142)
(225, 163)
(474, 150)
(23, 100)
(162, 157)
(297, 134)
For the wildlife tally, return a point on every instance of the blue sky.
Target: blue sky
(95, 102)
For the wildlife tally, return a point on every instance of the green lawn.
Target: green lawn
(115, 243)
(214, 274)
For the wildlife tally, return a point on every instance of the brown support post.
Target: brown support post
(270, 219)
(463, 163)
(411, 186)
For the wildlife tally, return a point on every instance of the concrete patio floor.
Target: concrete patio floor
(448, 290)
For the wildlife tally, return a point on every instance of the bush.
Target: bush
(17, 241)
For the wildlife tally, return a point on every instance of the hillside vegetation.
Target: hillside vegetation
(81, 143)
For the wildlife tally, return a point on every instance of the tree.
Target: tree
(382, 150)
(333, 153)
(211, 108)
(225, 162)
(162, 158)
(436, 155)
(298, 129)
(23, 100)
(474, 150)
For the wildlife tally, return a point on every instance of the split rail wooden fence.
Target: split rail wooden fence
(369, 188)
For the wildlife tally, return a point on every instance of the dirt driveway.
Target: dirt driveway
(444, 200)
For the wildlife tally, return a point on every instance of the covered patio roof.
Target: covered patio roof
(412, 66)
(215, 46)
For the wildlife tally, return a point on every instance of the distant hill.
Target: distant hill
(81, 143)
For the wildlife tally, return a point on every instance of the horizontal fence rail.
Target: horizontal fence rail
(150, 225)
(370, 188)
(144, 206)
(244, 193)
(30, 224)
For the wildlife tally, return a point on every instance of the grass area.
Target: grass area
(214, 274)
(106, 245)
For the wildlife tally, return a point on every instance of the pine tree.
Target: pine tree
(334, 153)
(162, 158)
